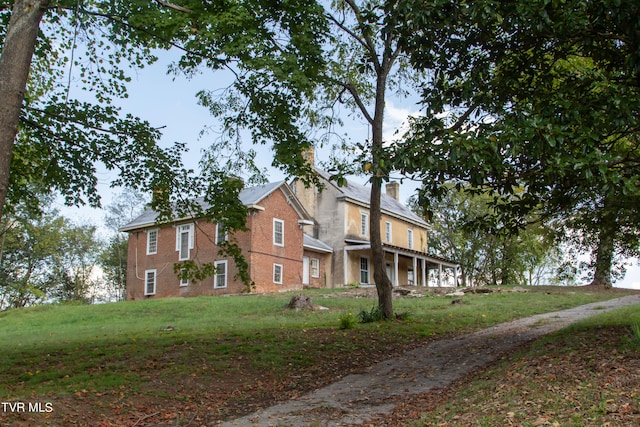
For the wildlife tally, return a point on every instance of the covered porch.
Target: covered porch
(404, 267)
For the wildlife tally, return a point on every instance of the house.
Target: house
(341, 220)
(279, 255)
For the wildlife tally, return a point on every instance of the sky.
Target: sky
(170, 102)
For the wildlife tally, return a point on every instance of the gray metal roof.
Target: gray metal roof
(362, 194)
(315, 244)
(248, 196)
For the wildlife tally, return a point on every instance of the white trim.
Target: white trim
(146, 281)
(281, 222)
(360, 270)
(216, 264)
(315, 261)
(180, 230)
(149, 232)
(226, 235)
(388, 231)
(276, 266)
(364, 224)
(183, 282)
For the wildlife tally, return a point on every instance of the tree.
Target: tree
(113, 258)
(45, 257)
(541, 96)
(51, 141)
(462, 228)
(294, 63)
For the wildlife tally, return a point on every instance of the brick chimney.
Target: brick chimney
(393, 189)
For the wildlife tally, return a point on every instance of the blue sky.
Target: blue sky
(170, 103)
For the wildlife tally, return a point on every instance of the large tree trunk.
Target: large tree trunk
(15, 62)
(384, 286)
(606, 246)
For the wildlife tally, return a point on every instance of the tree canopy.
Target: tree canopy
(536, 95)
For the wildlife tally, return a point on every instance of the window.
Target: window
(277, 274)
(221, 234)
(184, 241)
(364, 224)
(152, 241)
(410, 277)
(150, 282)
(364, 270)
(410, 238)
(387, 231)
(183, 280)
(315, 267)
(220, 279)
(278, 232)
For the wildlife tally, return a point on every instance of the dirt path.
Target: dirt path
(358, 398)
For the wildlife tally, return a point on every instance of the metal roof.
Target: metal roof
(248, 196)
(362, 194)
(315, 244)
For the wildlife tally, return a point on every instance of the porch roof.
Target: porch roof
(353, 244)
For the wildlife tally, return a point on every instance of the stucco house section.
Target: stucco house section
(341, 217)
(274, 246)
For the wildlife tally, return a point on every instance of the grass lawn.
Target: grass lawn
(201, 360)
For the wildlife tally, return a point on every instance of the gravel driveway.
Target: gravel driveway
(358, 398)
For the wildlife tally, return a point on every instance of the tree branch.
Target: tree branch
(173, 6)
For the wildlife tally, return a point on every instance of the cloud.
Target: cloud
(396, 121)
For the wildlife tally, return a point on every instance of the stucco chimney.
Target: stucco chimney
(309, 155)
(393, 189)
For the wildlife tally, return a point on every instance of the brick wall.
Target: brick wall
(257, 245)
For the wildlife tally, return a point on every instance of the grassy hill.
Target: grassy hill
(201, 360)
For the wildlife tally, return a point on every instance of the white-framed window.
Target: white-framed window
(277, 274)
(152, 241)
(364, 224)
(387, 232)
(183, 281)
(410, 277)
(315, 267)
(278, 232)
(221, 234)
(410, 238)
(150, 282)
(220, 278)
(184, 241)
(364, 270)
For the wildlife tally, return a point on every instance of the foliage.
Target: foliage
(540, 96)
(463, 229)
(635, 332)
(45, 257)
(69, 122)
(375, 314)
(347, 321)
(113, 258)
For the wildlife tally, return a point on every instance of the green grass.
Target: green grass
(62, 349)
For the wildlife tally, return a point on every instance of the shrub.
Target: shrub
(347, 321)
(373, 315)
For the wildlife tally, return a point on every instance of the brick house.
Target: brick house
(279, 255)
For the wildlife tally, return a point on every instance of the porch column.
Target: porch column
(345, 266)
(424, 272)
(395, 269)
(440, 275)
(415, 271)
(455, 276)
